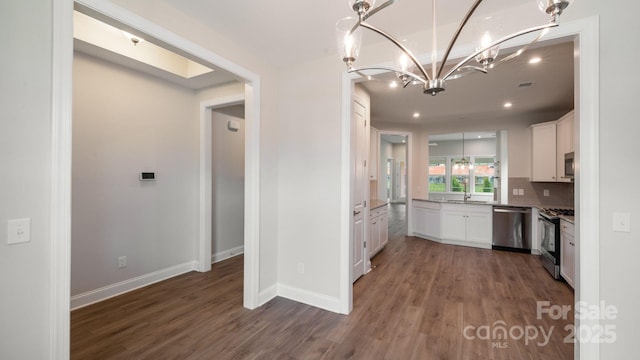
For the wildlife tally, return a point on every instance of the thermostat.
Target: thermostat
(147, 176)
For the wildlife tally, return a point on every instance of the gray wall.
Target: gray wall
(227, 172)
(124, 123)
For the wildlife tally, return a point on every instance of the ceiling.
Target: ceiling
(293, 31)
(479, 97)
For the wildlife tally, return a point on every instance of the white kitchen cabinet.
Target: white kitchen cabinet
(374, 154)
(564, 143)
(467, 224)
(543, 152)
(426, 219)
(549, 142)
(567, 252)
(378, 230)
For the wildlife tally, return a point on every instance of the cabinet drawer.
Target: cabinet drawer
(567, 228)
(378, 211)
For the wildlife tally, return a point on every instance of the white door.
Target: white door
(359, 178)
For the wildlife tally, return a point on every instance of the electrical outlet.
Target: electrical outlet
(122, 262)
(300, 268)
(521, 192)
(515, 192)
(546, 192)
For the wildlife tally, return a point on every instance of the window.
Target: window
(445, 176)
(438, 174)
(483, 174)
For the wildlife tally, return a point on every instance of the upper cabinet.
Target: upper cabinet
(565, 143)
(543, 152)
(549, 142)
(374, 154)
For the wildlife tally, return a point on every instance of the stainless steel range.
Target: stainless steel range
(549, 238)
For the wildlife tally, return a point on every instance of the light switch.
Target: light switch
(622, 222)
(19, 231)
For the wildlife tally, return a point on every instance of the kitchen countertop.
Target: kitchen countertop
(376, 203)
(495, 203)
(567, 218)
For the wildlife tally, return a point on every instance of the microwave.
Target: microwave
(569, 165)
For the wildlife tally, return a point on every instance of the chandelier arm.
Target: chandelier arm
(399, 45)
(521, 50)
(378, 8)
(498, 42)
(387, 68)
(466, 18)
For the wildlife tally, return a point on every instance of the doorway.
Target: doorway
(584, 35)
(227, 180)
(249, 90)
(394, 175)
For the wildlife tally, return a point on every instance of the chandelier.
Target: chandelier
(349, 33)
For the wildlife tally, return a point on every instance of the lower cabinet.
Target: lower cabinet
(567, 252)
(426, 219)
(466, 224)
(453, 223)
(378, 230)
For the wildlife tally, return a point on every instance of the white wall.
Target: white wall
(25, 180)
(227, 172)
(124, 123)
(471, 147)
(386, 152)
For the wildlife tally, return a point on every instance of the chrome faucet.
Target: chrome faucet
(467, 196)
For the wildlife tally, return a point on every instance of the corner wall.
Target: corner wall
(25, 178)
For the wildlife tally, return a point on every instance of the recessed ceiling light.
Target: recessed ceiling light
(534, 60)
(416, 114)
(393, 84)
(404, 141)
(479, 137)
(508, 105)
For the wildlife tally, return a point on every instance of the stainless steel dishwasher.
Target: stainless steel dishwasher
(512, 228)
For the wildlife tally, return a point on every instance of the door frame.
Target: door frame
(61, 144)
(409, 160)
(366, 264)
(585, 35)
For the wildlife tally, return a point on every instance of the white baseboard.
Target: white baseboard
(266, 295)
(310, 298)
(109, 291)
(227, 254)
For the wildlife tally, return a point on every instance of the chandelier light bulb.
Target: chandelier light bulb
(349, 42)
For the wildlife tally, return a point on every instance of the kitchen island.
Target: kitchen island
(454, 222)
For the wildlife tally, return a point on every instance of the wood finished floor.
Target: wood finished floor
(415, 304)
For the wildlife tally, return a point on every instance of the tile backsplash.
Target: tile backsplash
(559, 194)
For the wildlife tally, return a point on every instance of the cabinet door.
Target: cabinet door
(479, 227)
(543, 152)
(420, 221)
(454, 225)
(432, 223)
(383, 228)
(567, 256)
(564, 144)
(374, 237)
